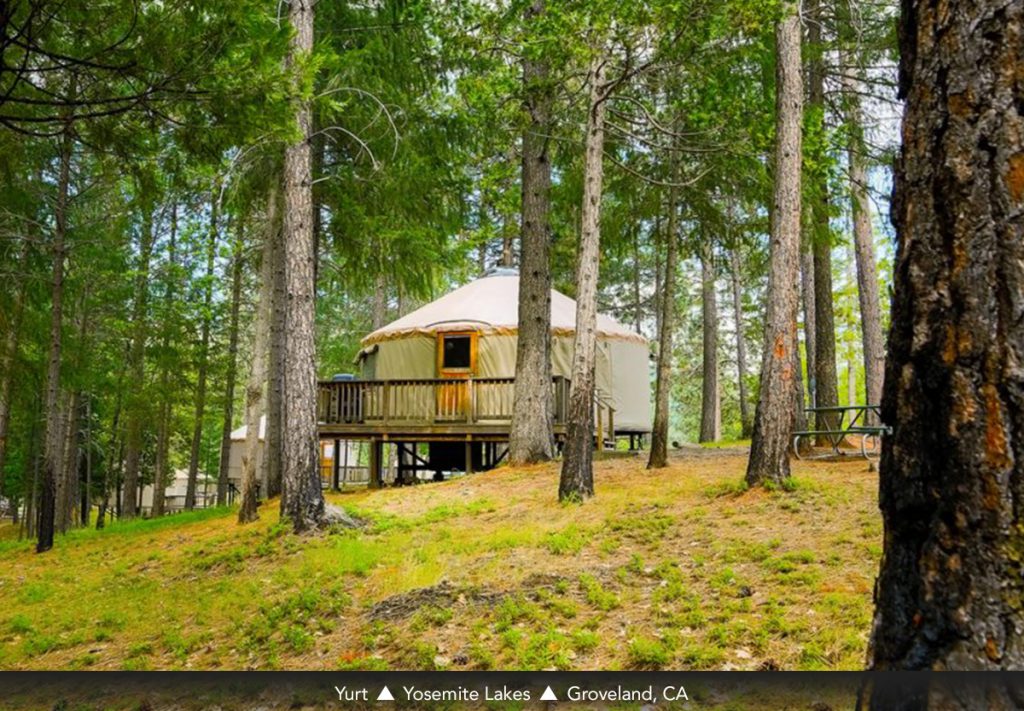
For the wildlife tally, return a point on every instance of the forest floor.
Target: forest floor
(676, 568)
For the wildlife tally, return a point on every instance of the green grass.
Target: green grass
(672, 569)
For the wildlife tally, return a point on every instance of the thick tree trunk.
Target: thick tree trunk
(773, 419)
(710, 407)
(273, 444)
(137, 399)
(810, 326)
(229, 386)
(666, 307)
(864, 247)
(51, 410)
(741, 345)
(204, 354)
(531, 437)
(163, 437)
(577, 479)
(826, 384)
(949, 591)
(303, 500)
(258, 371)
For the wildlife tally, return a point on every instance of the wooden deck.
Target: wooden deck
(462, 423)
(437, 409)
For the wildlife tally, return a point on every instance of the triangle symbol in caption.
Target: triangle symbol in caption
(385, 695)
(548, 695)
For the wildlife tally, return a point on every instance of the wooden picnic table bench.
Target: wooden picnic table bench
(839, 428)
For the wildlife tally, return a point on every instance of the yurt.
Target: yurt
(472, 331)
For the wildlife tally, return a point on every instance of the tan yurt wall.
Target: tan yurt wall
(561, 361)
(496, 356)
(561, 355)
(412, 356)
(631, 392)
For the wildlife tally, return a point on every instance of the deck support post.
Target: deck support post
(469, 456)
(337, 464)
(376, 447)
(344, 465)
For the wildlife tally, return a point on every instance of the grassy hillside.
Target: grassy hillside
(677, 568)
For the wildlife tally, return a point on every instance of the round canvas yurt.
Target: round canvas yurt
(472, 331)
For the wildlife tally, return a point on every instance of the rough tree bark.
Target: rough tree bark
(258, 371)
(163, 437)
(577, 478)
(773, 418)
(531, 435)
(826, 383)
(950, 587)
(666, 307)
(137, 401)
(51, 411)
(710, 406)
(303, 500)
(237, 264)
(864, 247)
(204, 353)
(735, 273)
(274, 434)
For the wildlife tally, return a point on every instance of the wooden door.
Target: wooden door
(456, 362)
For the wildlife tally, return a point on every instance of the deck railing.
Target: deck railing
(438, 401)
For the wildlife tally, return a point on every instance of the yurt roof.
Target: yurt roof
(490, 304)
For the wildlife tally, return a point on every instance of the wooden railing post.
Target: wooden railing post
(471, 415)
(387, 401)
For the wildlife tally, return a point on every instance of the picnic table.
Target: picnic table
(846, 420)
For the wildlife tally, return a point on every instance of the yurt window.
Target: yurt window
(456, 351)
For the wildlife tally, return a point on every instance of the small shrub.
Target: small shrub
(584, 640)
(568, 541)
(697, 656)
(649, 653)
(20, 624)
(597, 596)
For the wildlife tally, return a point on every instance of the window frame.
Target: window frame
(441, 337)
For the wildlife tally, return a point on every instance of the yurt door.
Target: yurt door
(456, 361)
